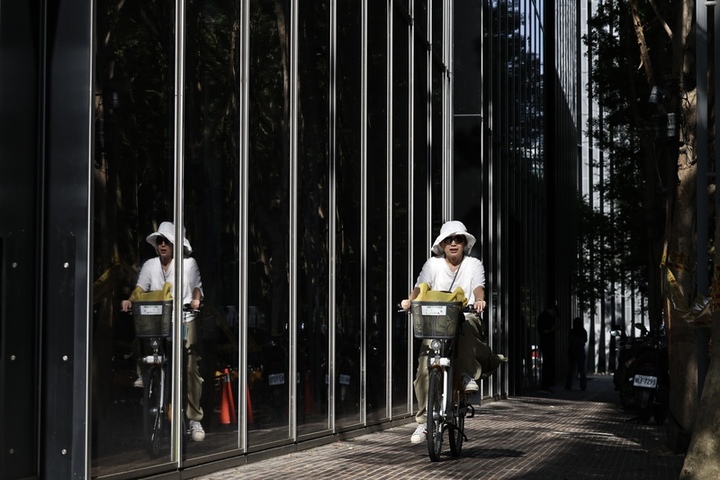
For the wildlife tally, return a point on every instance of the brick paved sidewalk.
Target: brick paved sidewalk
(563, 435)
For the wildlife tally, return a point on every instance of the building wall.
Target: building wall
(20, 182)
(309, 152)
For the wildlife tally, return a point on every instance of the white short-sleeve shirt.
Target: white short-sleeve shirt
(153, 277)
(437, 274)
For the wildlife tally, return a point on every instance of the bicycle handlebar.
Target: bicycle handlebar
(185, 308)
(466, 309)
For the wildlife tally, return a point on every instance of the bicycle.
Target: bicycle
(153, 322)
(447, 407)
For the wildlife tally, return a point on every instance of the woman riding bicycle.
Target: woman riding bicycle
(450, 267)
(155, 273)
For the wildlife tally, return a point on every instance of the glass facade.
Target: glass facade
(300, 144)
(308, 152)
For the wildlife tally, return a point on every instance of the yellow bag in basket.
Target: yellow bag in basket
(427, 295)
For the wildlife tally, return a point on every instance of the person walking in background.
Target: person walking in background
(576, 354)
(547, 324)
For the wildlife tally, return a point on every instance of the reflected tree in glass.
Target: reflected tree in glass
(133, 193)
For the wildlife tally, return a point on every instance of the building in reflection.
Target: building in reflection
(311, 150)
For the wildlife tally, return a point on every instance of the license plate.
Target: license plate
(645, 381)
(151, 309)
(276, 379)
(433, 310)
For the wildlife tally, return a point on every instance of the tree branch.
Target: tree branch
(645, 62)
(666, 27)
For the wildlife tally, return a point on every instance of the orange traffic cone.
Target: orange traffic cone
(227, 403)
(249, 406)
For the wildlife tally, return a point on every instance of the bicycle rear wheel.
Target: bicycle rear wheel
(435, 414)
(457, 432)
(153, 411)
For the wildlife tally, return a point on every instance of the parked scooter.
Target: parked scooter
(627, 350)
(642, 375)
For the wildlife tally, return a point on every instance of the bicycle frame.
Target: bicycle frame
(156, 393)
(439, 324)
(440, 360)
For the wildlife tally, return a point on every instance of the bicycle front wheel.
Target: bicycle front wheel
(153, 411)
(457, 431)
(435, 414)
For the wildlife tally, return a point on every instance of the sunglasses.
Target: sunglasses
(459, 239)
(161, 240)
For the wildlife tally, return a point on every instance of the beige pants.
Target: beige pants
(193, 379)
(474, 359)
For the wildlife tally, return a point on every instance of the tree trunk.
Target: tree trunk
(702, 460)
(679, 270)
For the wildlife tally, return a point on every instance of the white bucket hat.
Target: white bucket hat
(167, 230)
(449, 229)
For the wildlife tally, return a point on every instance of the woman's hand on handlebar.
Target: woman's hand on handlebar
(193, 306)
(405, 304)
(126, 305)
(479, 306)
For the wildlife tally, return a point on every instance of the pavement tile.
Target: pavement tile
(569, 435)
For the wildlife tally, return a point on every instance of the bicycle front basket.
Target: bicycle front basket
(152, 319)
(436, 319)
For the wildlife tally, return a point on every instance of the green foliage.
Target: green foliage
(623, 217)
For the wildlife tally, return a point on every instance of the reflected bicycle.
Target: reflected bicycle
(153, 323)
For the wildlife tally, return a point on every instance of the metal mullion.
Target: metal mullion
(293, 186)
(411, 181)
(243, 214)
(87, 392)
(363, 206)
(332, 193)
(178, 160)
(448, 118)
(389, 209)
(428, 115)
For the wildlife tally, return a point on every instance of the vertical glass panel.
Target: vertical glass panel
(438, 14)
(313, 285)
(437, 147)
(377, 217)
(348, 215)
(133, 193)
(211, 196)
(436, 153)
(400, 211)
(420, 15)
(268, 223)
(421, 154)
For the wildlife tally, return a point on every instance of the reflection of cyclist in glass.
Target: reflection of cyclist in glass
(448, 268)
(155, 273)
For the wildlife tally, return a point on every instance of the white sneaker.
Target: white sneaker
(196, 431)
(420, 434)
(469, 384)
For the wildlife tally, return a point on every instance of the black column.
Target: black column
(67, 158)
(19, 244)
